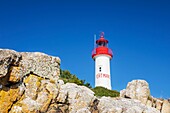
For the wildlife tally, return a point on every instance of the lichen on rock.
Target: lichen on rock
(7, 97)
(25, 81)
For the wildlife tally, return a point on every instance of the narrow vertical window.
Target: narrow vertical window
(100, 69)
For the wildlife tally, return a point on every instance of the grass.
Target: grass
(101, 91)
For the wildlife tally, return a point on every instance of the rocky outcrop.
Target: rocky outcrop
(29, 83)
(14, 66)
(139, 90)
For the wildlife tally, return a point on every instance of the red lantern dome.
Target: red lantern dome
(102, 47)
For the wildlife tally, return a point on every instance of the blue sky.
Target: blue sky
(138, 33)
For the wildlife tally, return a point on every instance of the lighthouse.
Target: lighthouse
(102, 55)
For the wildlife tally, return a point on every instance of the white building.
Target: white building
(102, 56)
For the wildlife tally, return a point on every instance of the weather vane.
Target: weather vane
(102, 34)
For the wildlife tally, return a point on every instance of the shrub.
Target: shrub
(101, 91)
(66, 76)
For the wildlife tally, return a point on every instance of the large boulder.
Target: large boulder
(28, 81)
(137, 89)
(78, 97)
(14, 65)
(41, 64)
(123, 105)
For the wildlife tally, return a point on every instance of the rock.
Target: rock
(83, 110)
(165, 107)
(123, 105)
(137, 89)
(58, 108)
(29, 84)
(134, 109)
(32, 84)
(8, 58)
(123, 93)
(169, 100)
(110, 107)
(93, 106)
(7, 97)
(14, 65)
(15, 74)
(77, 99)
(28, 81)
(159, 104)
(61, 82)
(40, 64)
(46, 104)
(38, 95)
(52, 89)
(149, 103)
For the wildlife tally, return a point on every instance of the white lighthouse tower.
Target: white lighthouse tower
(102, 56)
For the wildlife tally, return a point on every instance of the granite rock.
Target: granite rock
(137, 89)
(165, 107)
(29, 83)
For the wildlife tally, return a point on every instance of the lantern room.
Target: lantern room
(101, 47)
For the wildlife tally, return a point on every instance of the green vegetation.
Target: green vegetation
(101, 91)
(66, 76)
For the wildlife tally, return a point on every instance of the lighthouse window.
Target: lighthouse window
(102, 44)
(100, 69)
